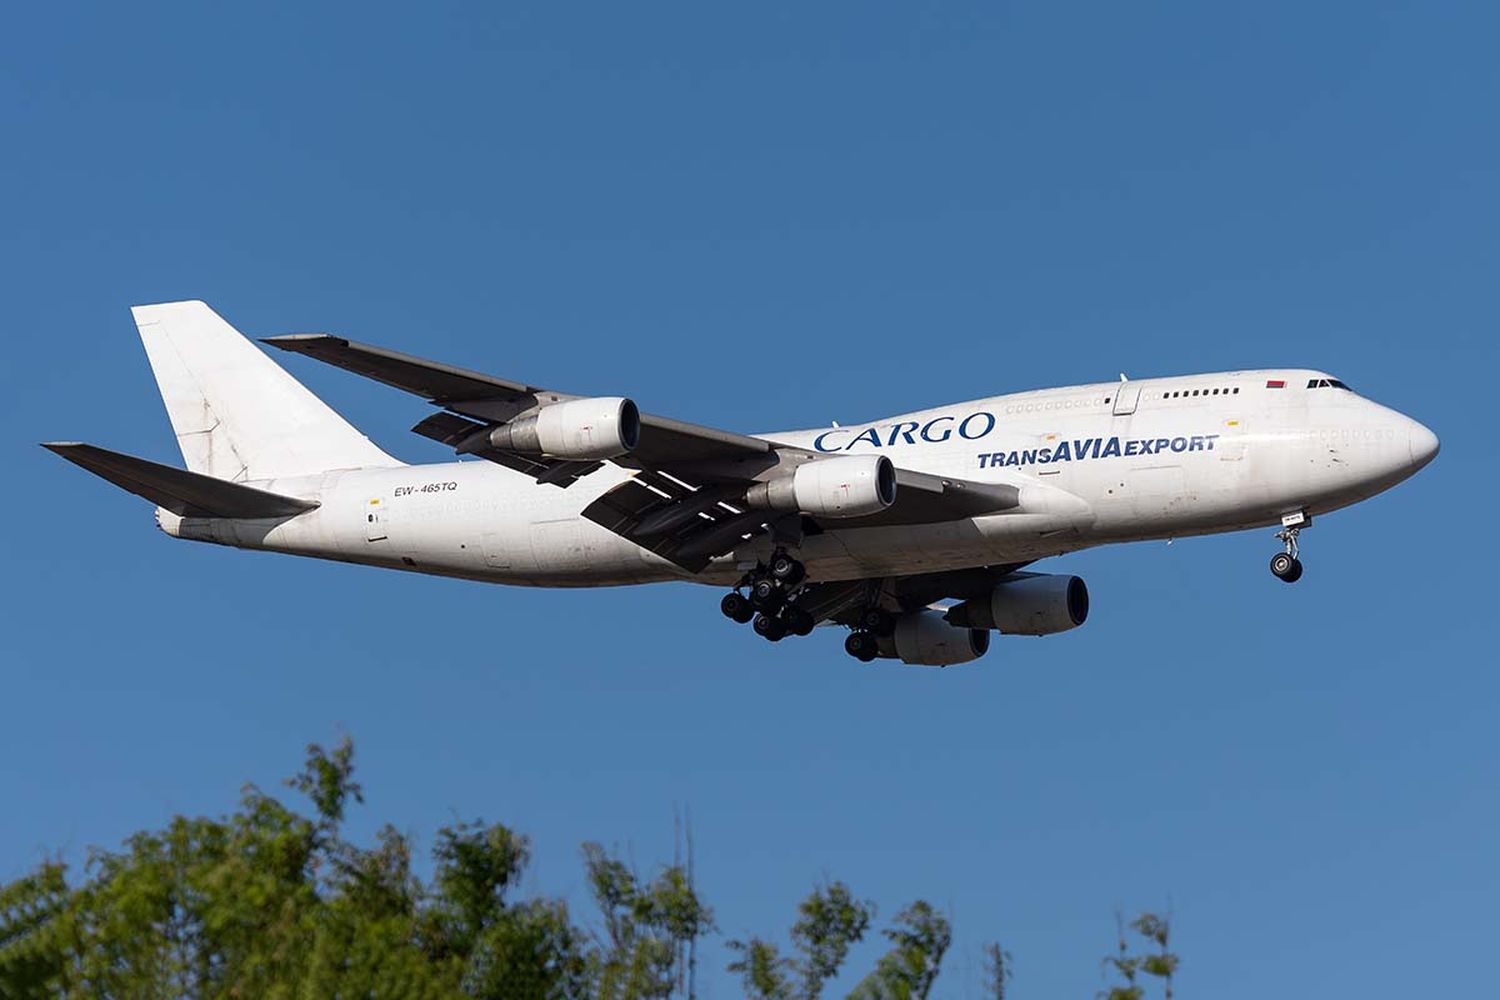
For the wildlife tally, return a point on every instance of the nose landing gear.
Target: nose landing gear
(1287, 566)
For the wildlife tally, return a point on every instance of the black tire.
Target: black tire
(798, 621)
(878, 620)
(765, 595)
(1283, 565)
(736, 607)
(786, 569)
(769, 627)
(1296, 573)
(862, 646)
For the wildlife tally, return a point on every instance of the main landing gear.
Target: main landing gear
(771, 599)
(864, 642)
(1286, 566)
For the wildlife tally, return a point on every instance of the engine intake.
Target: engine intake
(925, 639)
(1028, 604)
(851, 486)
(581, 430)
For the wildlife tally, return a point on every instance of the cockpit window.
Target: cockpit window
(1327, 383)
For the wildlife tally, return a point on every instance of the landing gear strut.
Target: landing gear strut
(1286, 566)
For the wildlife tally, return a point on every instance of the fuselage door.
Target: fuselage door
(1127, 395)
(375, 521)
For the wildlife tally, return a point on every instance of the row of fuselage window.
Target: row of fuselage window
(1201, 392)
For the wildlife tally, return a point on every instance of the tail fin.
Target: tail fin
(237, 415)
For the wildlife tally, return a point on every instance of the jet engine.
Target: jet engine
(925, 639)
(851, 486)
(1028, 604)
(580, 430)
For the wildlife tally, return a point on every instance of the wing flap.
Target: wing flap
(187, 494)
(683, 525)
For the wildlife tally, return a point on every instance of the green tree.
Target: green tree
(269, 902)
(829, 921)
(1129, 966)
(919, 938)
(646, 928)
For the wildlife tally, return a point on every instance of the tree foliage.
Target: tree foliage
(829, 921)
(268, 902)
(1134, 969)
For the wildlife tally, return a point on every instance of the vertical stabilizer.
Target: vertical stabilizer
(237, 414)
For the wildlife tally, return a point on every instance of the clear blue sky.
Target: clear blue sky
(764, 217)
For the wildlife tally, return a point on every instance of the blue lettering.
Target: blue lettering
(1161, 444)
(818, 441)
(927, 431)
(1132, 448)
(1062, 454)
(1028, 457)
(870, 433)
(982, 458)
(1179, 444)
(1044, 456)
(1013, 458)
(963, 428)
(1210, 438)
(899, 429)
(1111, 448)
(1195, 443)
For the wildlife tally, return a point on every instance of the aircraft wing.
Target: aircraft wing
(685, 502)
(489, 399)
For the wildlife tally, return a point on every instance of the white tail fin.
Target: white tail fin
(237, 414)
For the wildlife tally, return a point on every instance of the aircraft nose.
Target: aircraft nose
(1424, 444)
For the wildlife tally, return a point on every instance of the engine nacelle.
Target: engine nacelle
(580, 430)
(926, 639)
(851, 486)
(1028, 604)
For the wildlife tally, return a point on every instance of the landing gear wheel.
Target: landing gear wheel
(1287, 566)
(769, 627)
(877, 620)
(737, 607)
(862, 646)
(766, 595)
(798, 621)
(786, 569)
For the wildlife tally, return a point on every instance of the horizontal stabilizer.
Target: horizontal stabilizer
(186, 494)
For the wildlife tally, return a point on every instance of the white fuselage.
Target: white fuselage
(1095, 464)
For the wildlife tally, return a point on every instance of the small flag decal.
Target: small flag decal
(1275, 383)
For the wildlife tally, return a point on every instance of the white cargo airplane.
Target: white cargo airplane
(911, 530)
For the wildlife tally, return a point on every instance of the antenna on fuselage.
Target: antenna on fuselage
(1123, 378)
